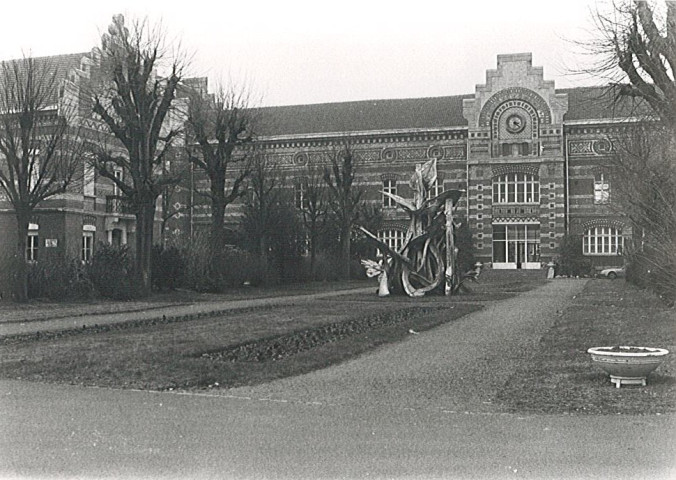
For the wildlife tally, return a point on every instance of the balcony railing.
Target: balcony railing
(117, 204)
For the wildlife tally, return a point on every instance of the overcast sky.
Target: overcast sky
(295, 52)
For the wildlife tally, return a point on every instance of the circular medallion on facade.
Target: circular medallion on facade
(515, 123)
(435, 152)
(602, 146)
(388, 154)
(300, 159)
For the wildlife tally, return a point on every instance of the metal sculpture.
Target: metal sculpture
(428, 257)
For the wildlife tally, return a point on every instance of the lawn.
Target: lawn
(262, 344)
(42, 309)
(272, 342)
(183, 355)
(560, 377)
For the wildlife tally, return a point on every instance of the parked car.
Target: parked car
(613, 272)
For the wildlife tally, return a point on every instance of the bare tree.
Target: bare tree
(221, 126)
(135, 104)
(39, 149)
(344, 197)
(636, 45)
(313, 204)
(643, 173)
(174, 199)
(265, 197)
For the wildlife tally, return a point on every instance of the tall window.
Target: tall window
(393, 238)
(601, 188)
(603, 241)
(389, 186)
(300, 195)
(87, 246)
(119, 175)
(32, 242)
(88, 187)
(516, 188)
(436, 188)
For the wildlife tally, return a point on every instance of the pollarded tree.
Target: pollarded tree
(39, 148)
(222, 127)
(344, 197)
(636, 45)
(136, 105)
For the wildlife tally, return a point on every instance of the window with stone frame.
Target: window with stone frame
(389, 186)
(300, 195)
(603, 240)
(393, 238)
(87, 246)
(437, 188)
(32, 244)
(601, 188)
(516, 188)
(88, 187)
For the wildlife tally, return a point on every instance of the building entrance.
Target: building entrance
(516, 246)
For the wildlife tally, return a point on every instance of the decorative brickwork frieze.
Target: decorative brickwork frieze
(499, 170)
(522, 95)
(590, 147)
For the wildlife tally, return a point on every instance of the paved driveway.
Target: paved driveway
(418, 409)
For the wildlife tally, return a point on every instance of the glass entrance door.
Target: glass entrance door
(516, 246)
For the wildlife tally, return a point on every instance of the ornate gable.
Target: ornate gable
(517, 112)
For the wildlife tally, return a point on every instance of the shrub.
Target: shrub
(572, 262)
(327, 268)
(229, 267)
(465, 245)
(168, 266)
(655, 269)
(59, 279)
(11, 266)
(111, 272)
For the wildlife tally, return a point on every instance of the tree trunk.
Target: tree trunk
(345, 251)
(145, 220)
(21, 273)
(263, 258)
(217, 213)
(313, 251)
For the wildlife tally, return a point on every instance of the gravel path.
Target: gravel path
(458, 366)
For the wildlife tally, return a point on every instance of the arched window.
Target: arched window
(516, 188)
(603, 241)
(393, 237)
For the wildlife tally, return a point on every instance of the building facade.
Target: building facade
(529, 156)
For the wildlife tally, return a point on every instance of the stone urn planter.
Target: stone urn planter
(628, 365)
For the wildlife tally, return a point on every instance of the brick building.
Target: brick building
(529, 156)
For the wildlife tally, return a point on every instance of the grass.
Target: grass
(169, 356)
(150, 355)
(561, 379)
(36, 310)
(558, 378)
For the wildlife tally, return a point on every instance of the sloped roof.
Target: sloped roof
(584, 103)
(57, 65)
(604, 102)
(366, 115)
